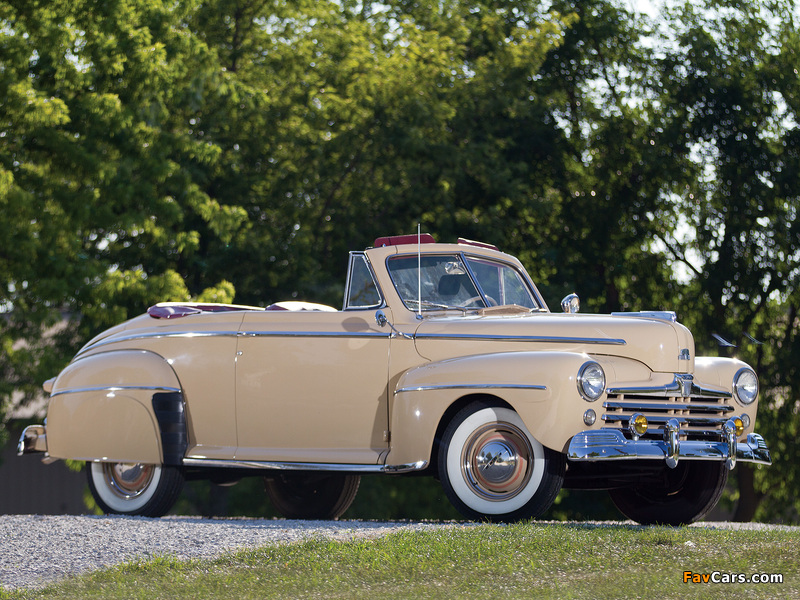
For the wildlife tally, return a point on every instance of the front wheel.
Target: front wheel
(492, 468)
(134, 488)
(302, 495)
(681, 496)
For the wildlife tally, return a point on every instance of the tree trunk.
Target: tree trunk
(748, 498)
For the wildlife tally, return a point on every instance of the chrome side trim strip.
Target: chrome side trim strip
(158, 335)
(116, 388)
(292, 466)
(475, 386)
(321, 334)
(235, 334)
(407, 468)
(357, 334)
(520, 338)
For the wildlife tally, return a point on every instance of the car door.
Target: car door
(312, 387)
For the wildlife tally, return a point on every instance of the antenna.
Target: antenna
(419, 270)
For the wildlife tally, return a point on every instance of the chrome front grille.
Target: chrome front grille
(700, 418)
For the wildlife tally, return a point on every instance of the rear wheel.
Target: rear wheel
(683, 495)
(492, 468)
(134, 488)
(302, 495)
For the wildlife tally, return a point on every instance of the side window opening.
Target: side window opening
(362, 291)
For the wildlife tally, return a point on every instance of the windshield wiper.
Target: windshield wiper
(428, 304)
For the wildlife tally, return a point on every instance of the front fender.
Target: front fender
(720, 372)
(119, 406)
(540, 386)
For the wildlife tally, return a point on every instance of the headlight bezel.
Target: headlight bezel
(588, 378)
(741, 387)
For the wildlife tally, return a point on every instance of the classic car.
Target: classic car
(444, 360)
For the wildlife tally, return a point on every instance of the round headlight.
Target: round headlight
(591, 381)
(745, 386)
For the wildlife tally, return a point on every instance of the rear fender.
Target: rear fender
(119, 406)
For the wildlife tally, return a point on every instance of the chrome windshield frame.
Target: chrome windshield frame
(538, 301)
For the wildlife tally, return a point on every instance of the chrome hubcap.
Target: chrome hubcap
(496, 461)
(127, 480)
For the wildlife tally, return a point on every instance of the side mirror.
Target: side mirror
(380, 318)
(571, 303)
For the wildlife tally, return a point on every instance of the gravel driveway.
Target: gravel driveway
(36, 550)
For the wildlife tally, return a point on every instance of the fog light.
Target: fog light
(745, 420)
(637, 425)
(738, 425)
(589, 417)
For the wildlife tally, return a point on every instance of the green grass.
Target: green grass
(485, 561)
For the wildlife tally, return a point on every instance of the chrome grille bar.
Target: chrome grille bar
(698, 411)
(636, 406)
(683, 420)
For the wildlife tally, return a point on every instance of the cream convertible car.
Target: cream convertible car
(444, 359)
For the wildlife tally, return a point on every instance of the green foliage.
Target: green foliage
(728, 105)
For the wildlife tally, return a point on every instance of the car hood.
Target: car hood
(654, 339)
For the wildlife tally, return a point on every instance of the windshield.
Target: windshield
(454, 281)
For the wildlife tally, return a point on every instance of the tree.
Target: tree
(728, 102)
(155, 150)
(365, 115)
(94, 187)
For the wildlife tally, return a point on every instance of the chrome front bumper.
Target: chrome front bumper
(611, 444)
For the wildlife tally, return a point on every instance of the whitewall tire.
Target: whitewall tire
(134, 488)
(492, 468)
